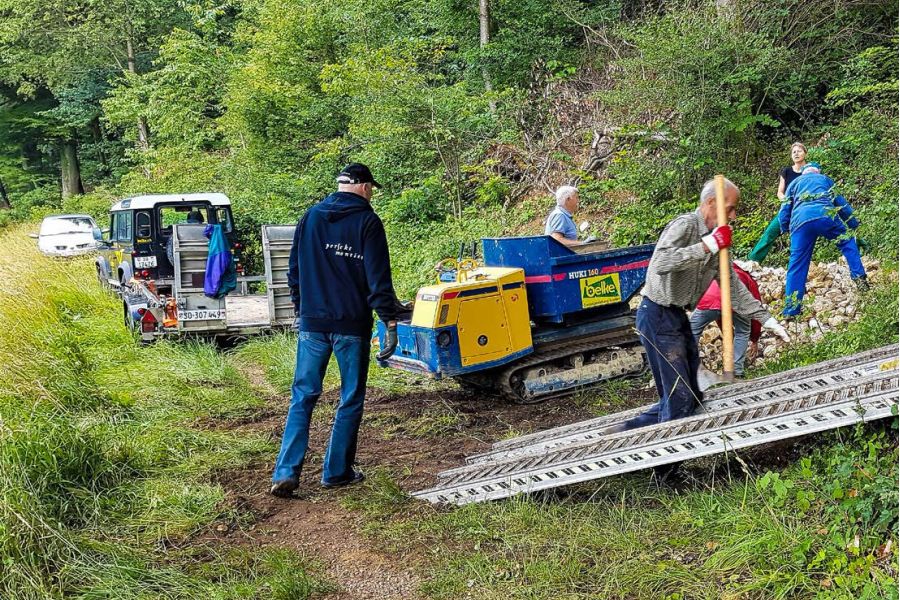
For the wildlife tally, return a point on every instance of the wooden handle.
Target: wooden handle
(725, 286)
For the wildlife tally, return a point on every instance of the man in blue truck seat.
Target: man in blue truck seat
(683, 265)
(339, 272)
(560, 225)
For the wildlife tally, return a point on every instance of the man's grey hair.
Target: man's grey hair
(709, 189)
(563, 193)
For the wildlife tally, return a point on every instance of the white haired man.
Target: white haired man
(560, 225)
(683, 265)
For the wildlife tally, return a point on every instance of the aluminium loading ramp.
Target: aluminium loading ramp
(858, 388)
(743, 393)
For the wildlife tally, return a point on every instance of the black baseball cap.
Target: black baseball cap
(357, 173)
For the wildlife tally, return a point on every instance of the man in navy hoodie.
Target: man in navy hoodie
(339, 273)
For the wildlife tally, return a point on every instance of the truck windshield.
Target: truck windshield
(176, 215)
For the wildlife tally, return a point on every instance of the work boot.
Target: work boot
(356, 478)
(284, 488)
(862, 284)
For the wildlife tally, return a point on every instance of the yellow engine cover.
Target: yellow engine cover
(489, 310)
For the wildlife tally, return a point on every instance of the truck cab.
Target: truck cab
(140, 241)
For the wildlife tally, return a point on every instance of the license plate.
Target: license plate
(201, 314)
(144, 262)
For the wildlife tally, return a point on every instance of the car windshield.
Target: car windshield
(57, 226)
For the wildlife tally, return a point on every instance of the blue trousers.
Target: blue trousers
(665, 333)
(803, 242)
(313, 353)
(700, 318)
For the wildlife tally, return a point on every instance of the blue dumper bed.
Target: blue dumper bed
(561, 282)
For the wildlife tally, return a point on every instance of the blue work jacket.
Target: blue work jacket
(810, 197)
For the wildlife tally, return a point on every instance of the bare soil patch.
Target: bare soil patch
(316, 525)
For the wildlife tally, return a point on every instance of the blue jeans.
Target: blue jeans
(803, 242)
(702, 317)
(674, 359)
(314, 350)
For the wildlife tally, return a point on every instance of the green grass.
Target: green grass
(107, 448)
(612, 397)
(432, 422)
(777, 535)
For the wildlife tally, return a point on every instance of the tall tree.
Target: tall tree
(70, 168)
(58, 44)
(484, 37)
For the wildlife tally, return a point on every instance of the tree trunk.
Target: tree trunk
(484, 29)
(99, 138)
(4, 197)
(143, 133)
(70, 170)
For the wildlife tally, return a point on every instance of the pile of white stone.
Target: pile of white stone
(831, 302)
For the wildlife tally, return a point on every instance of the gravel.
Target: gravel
(831, 302)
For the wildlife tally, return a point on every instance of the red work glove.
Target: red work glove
(718, 239)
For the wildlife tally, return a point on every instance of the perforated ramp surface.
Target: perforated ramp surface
(816, 398)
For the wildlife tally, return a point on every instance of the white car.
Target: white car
(68, 235)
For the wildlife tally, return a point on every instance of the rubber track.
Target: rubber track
(623, 336)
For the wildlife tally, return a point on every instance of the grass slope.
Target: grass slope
(107, 452)
(103, 478)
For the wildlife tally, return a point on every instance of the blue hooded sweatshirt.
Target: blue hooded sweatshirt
(340, 270)
(810, 197)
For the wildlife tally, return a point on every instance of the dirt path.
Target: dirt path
(317, 526)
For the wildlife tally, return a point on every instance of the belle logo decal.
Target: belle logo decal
(603, 289)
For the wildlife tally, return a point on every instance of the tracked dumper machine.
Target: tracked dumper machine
(535, 320)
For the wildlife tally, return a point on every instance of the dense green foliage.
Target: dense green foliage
(265, 99)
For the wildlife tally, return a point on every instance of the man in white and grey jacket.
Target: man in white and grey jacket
(681, 269)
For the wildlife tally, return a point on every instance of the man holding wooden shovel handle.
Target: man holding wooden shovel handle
(681, 269)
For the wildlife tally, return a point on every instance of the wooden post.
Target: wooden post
(725, 287)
